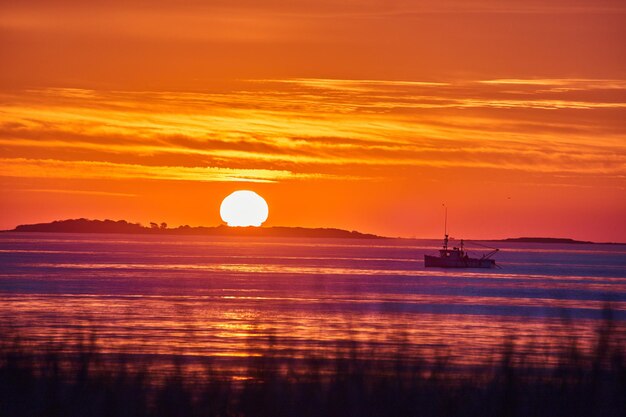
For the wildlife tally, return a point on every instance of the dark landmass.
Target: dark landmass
(122, 226)
(559, 240)
(544, 240)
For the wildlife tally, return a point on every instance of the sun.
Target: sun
(244, 208)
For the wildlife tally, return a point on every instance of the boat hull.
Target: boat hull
(438, 262)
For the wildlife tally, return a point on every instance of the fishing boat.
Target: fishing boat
(457, 257)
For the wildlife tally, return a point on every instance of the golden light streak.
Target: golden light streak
(47, 168)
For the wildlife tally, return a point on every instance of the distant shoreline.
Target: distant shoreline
(551, 240)
(124, 227)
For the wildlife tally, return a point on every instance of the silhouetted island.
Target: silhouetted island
(544, 240)
(122, 226)
(559, 240)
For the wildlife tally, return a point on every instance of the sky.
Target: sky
(365, 115)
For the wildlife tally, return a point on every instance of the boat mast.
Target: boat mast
(445, 230)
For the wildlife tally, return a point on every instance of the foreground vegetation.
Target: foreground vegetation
(82, 381)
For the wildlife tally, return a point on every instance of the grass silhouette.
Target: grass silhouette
(81, 380)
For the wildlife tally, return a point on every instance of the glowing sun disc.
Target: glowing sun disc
(244, 208)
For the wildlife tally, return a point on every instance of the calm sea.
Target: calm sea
(220, 296)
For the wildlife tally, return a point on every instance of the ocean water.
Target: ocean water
(220, 297)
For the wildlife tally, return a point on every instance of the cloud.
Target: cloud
(275, 130)
(49, 168)
(78, 192)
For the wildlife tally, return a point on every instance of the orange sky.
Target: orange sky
(362, 115)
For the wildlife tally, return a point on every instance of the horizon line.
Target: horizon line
(224, 225)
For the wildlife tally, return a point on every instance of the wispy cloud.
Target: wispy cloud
(276, 130)
(583, 83)
(50, 168)
(77, 192)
